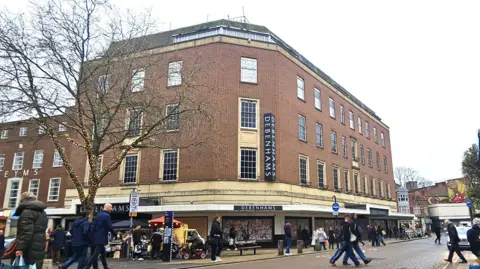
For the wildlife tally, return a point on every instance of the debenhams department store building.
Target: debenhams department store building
(286, 140)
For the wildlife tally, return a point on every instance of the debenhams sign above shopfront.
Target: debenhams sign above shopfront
(257, 207)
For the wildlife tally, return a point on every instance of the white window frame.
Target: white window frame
(62, 127)
(372, 186)
(319, 134)
(173, 118)
(318, 98)
(365, 184)
(103, 84)
(129, 120)
(388, 191)
(300, 88)
(362, 155)
(138, 80)
(417, 210)
(137, 168)
(175, 73)
(22, 131)
(344, 147)
(385, 164)
(356, 184)
(321, 180)
(380, 188)
(382, 139)
(37, 161)
(98, 168)
(302, 130)
(57, 159)
(162, 164)
(346, 179)
(16, 158)
(41, 130)
(379, 165)
(367, 129)
(335, 169)
(244, 124)
(331, 104)
(353, 144)
(30, 189)
(370, 158)
(248, 70)
(342, 114)
(49, 198)
(8, 191)
(4, 134)
(333, 141)
(256, 163)
(352, 120)
(375, 135)
(359, 125)
(307, 173)
(2, 162)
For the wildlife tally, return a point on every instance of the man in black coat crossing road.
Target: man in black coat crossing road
(454, 240)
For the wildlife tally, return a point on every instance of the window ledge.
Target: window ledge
(308, 184)
(337, 190)
(161, 181)
(335, 152)
(319, 109)
(304, 141)
(173, 131)
(174, 86)
(320, 147)
(128, 184)
(249, 179)
(303, 100)
(323, 188)
(248, 129)
(248, 82)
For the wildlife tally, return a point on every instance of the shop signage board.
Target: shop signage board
(134, 203)
(378, 212)
(335, 213)
(269, 148)
(116, 208)
(257, 208)
(167, 239)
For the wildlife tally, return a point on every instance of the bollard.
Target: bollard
(299, 246)
(280, 248)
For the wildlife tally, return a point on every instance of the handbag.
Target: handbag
(353, 237)
(10, 251)
(18, 263)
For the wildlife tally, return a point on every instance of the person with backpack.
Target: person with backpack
(473, 239)
(348, 236)
(58, 239)
(80, 242)
(101, 226)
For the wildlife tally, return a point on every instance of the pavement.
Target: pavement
(421, 254)
(455, 265)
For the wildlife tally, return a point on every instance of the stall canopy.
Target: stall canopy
(161, 222)
(126, 224)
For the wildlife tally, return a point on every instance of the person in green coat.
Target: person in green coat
(31, 227)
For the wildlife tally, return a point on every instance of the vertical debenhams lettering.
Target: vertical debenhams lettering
(269, 147)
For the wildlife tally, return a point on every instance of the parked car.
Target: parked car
(462, 234)
(8, 241)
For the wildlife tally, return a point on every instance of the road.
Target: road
(419, 254)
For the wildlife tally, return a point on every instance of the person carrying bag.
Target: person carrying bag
(18, 263)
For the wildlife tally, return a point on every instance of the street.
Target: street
(418, 254)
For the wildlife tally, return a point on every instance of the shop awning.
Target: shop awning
(161, 221)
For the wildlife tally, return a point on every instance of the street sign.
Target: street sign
(167, 240)
(335, 207)
(134, 201)
(335, 213)
(468, 202)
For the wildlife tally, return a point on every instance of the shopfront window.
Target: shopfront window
(249, 228)
(298, 224)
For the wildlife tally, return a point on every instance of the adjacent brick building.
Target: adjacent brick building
(285, 138)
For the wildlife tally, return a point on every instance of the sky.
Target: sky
(415, 63)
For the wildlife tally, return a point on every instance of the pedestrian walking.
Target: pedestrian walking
(232, 235)
(348, 236)
(80, 242)
(322, 237)
(331, 238)
(338, 236)
(381, 234)
(58, 240)
(437, 231)
(358, 238)
(454, 241)
(374, 236)
(137, 243)
(31, 227)
(305, 237)
(2, 244)
(215, 237)
(156, 241)
(395, 232)
(288, 237)
(473, 238)
(101, 226)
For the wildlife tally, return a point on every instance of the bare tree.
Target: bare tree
(407, 174)
(83, 62)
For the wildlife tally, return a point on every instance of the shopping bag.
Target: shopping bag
(230, 242)
(32, 266)
(18, 263)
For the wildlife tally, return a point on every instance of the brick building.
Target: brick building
(286, 138)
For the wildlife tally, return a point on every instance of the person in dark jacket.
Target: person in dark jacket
(473, 238)
(2, 244)
(101, 226)
(437, 231)
(137, 241)
(31, 227)
(156, 241)
(80, 243)
(355, 246)
(374, 236)
(305, 237)
(347, 231)
(57, 239)
(215, 237)
(454, 241)
(331, 238)
(287, 229)
(232, 235)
